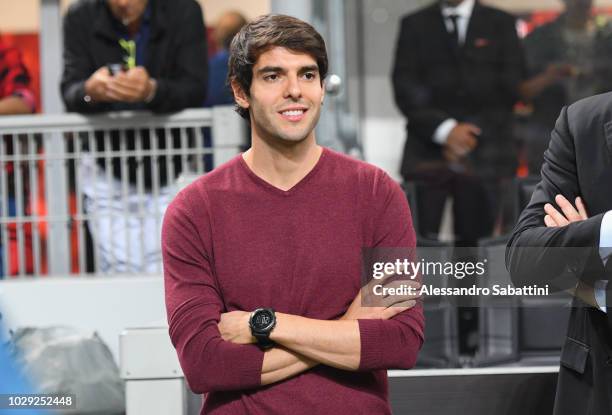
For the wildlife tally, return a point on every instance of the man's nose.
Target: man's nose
(294, 89)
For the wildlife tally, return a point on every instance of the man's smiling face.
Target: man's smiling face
(285, 96)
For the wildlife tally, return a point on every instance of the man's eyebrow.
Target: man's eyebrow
(270, 69)
(267, 69)
(309, 68)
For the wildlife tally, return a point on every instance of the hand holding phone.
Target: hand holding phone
(96, 85)
(116, 68)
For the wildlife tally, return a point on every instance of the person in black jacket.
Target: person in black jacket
(156, 47)
(564, 239)
(131, 55)
(457, 68)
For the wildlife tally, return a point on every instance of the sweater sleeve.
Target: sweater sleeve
(394, 343)
(194, 305)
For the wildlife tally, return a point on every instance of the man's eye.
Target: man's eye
(271, 77)
(310, 75)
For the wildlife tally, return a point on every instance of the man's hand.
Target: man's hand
(97, 85)
(384, 308)
(135, 85)
(570, 214)
(450, 155)
(234, 327)
(555, 72)
(461, 140)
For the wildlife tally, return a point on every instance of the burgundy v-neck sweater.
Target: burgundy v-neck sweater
(232, 241)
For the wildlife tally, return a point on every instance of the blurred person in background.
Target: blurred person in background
(457, 68)
(458, 65)
(219, 93)
(132, 54)
(16, 97)
(568, 59)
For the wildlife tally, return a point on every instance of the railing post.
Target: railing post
(50, 55)
(56, 190)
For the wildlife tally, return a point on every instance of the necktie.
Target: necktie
(454, 33)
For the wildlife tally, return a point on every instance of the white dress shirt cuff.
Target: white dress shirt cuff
(605, 237)
(605, 250)
(441, 134)
(600, 294)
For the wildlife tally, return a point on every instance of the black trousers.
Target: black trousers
(477, 205)
(477, 202)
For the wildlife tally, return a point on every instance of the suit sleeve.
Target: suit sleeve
(559, 256)
(394, 343)
(186, 88)
(412, 96)
(194, 306)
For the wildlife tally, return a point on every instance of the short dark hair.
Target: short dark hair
(265, 32)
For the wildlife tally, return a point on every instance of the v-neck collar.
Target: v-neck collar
(273, 189)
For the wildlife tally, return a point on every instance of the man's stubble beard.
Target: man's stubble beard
(273, 136)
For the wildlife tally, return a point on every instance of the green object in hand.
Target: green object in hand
(129, 46)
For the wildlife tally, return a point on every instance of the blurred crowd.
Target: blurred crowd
(122, 55)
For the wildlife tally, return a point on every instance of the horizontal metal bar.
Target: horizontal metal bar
(118, 153)
(16, 124)
(55, 145)
(58, 218)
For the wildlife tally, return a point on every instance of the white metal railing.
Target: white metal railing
(87, 193)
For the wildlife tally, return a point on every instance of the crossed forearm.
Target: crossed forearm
(334, 343)
(303, 343)
(280, 364)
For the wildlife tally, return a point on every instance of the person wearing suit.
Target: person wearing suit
(457, 68)
(557, 242)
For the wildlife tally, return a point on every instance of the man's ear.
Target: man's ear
(239, 95)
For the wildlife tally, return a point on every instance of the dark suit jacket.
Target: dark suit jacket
(578, 162)
(434, 81)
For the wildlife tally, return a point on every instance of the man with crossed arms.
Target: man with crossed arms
(263, 256)
(556, 242)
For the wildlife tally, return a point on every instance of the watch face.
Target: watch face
(262, 320)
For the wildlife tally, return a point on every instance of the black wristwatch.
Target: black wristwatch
(262, 322)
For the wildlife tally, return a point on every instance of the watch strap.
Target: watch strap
(263, 340)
